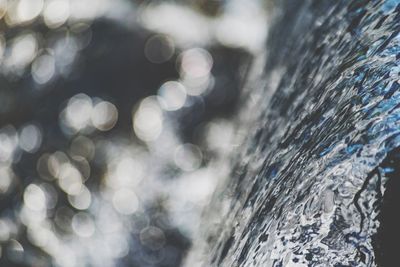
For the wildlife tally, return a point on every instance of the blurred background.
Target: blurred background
(117, 119)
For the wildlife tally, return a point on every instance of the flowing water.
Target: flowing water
(307, 188)
(118, 119)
